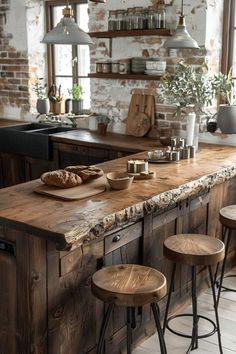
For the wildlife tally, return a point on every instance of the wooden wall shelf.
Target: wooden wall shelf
(124, 76)
(131, 33)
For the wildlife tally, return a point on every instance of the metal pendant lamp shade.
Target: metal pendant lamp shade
(181, 38)
(67, 32)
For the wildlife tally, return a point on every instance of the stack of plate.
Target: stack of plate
(138, 65)
(154, 72)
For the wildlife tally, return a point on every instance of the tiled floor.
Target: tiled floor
(227, 314)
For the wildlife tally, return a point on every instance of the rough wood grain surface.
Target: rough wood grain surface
(129, 285)
(194, 249)
(70, 224)
(7, 122)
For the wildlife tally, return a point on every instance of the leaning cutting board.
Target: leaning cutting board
(76, 193)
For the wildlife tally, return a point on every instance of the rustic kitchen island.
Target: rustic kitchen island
(50, 248)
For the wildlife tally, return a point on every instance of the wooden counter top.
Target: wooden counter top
(72, 223)
(110, 140)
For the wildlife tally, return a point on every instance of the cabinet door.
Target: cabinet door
(12, 169)
(124, 246)
(68, 154)
(8, 299)
(35, 167)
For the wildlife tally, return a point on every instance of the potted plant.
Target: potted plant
(77, 102)
(189, 89)
(43, 104)
(226, 116)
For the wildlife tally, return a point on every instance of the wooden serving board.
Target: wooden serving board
(142, 176)
(76, 193)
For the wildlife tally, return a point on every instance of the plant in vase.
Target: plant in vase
(226, 115)
(77, 102)
(40, 88)
(190, 89)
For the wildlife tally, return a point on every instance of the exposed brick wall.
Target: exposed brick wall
(112, 97)
(14, 68)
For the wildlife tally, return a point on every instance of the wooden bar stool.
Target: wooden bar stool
(227, 218)
(129, 285)
(194, 250)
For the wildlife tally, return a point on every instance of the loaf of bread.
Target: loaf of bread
(61, 178)
(90, 174)
(76, 169)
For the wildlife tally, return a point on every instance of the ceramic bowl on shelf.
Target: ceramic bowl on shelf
(119, 180)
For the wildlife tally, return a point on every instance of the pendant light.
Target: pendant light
(181, 38)
(67, 31)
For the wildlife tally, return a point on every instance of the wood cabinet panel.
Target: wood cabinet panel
(8, 298)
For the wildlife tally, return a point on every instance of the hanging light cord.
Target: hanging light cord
(182, 8)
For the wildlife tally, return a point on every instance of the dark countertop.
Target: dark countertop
(71, 223)
(110, 140)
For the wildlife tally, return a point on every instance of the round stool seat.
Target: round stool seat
(128, 285)
(194, 249)
(228, 216)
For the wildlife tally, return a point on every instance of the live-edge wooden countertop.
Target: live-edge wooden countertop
(70, 223)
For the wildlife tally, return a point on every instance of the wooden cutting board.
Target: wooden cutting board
(141, 114)
(76, 193)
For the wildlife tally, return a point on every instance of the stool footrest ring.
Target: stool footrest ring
(214, 330)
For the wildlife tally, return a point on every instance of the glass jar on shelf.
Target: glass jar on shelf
(145, 18)
(120, 20)
(151, 17)
(138, 18)
(161, 9)
(112, 21)
(130, 19)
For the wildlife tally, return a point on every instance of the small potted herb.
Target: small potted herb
(77, 102)
(43, 104)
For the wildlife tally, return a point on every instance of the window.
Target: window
(69, 64)
(229, 37)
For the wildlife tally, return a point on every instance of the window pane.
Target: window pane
(66, 84)
(85, 83)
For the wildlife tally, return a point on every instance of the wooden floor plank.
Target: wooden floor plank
(227, 314)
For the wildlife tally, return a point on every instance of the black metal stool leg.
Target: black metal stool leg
(223, 266)
(103, 329)
(129, 329)
(171, 289)
(156, 311)
(223, 235)
(216, 309)
(194, 341)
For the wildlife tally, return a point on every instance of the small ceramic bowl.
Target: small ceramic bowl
(119, 180)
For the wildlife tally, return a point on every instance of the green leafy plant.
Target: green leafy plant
(40, 88)
(189, 88)
(223, 85)
(76, 92)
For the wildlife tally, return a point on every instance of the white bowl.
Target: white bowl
(156, 65)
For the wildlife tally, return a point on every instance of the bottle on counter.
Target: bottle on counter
(130, 18)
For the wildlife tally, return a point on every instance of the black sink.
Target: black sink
(31, 139)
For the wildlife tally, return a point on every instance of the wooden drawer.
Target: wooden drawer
(122, 237)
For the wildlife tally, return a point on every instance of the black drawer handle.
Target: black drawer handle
(116, 238)
(7, 247)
